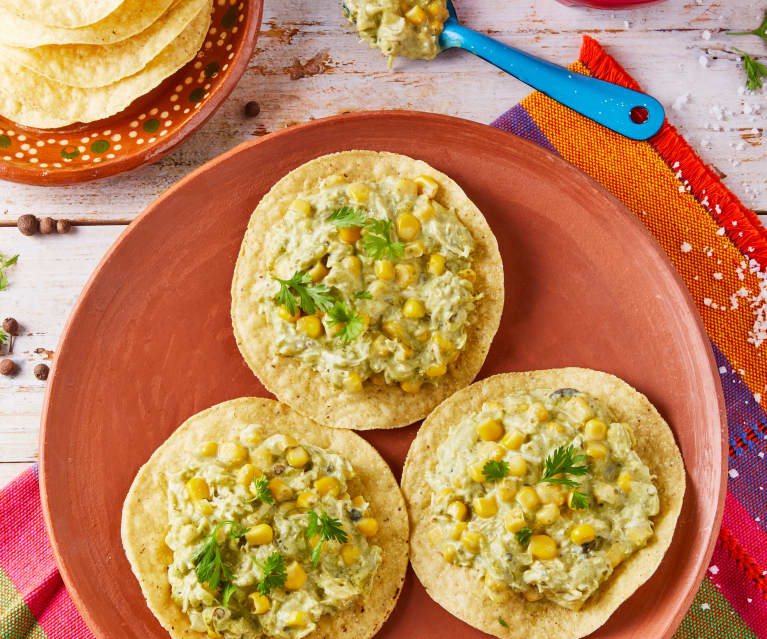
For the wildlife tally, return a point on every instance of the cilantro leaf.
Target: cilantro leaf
(275, 574)
(579, 501)
(523, 536)
(3, 337)
(311, 296)
(493, 470)
(261, 487)
(327, 528)
(377, 241)
(755, 71)
(5, 262)
(229, 590)
(363, 295)
(210, 567)
(563, 462)
(760, 31)
(502, 621)
(353, 323)
(347, 216)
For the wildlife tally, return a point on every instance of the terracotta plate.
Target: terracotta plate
(151, 125)
(150, 343)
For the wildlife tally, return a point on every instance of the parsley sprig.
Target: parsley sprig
(579, 501)
(760, 31)
(347, 216)
(755, 71)
(261, 488)
(563, 461)
(327, 528)
(493, 470)
(310, 296)
(363, 295)
(3, 337)
(353, 324)
(4, 263)
(377, 241)
(210, 567)
(523, 536)
(275, 574)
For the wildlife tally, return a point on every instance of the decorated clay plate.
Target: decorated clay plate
(152, 125)
(586, 285)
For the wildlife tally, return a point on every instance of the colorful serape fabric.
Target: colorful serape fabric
(717, 245)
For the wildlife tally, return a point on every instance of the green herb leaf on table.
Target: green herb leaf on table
(502, 621)
(275, 574)
(4, 263)
(363, 295)
(339, 313)
(327, 528)
(755, 71)
(760, 31)
(579, 501)
(493, 470)
(563, 461)
(210, 567)
(311, 296)
(347, 216)
(261, 487)
(3, 337)
(377, 241)
(523, 536)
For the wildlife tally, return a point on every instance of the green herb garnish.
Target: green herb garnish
(563, 461)
(579, 501)
(274, 571)
(5, 262)
(353, 324)
(3, 337)
(523, 536)
(311, 296)
(377, 241)
(503, 622)
(755, 71)
(363, 295)
(327, 528)
(261, 487)
(760, 31)
(493, 470)
(347, 216)
(209, 565)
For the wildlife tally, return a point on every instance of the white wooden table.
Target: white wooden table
(676, 50)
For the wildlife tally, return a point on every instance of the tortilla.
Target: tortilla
(300, 386)
(460, 591)
(145, 521)
(129, 18)
(69, 14)
(95, 65)
(32, 100)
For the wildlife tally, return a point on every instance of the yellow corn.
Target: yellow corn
(490, 431)
(624, 481)
(517, 466)
(407, 187)
(595, 429)
(414, 249)
(287, 508)
(413, 309)
(423, 336)
(368, 526)
(514, 520)
(259, 535)
(297, 619)
(310, 325)
(596, 450)
(448, 553)
(457, 530)
(358, 191)
(246, 473)
(204, 507)
(485, 506)
(542, 547)
(314, 541)
(582, 534)
(327, 486)
(349, 234)
(427, 185)
(297, 457)
(381, 347)
(232, 453)
(318, 271)
(472, 541)
(197, 488)
(425, 211)
(499, 452)
(408, 227)
(352, 264)
(436, 370)
(358, 501)
(296, 576)
(507, 489)
(444, 344)
(457, 510)
(300, 206)
(435, 9)
(527, 498)
(468, 274)
(334, 180)
(550, 494)
(283, 313)
(547, 515)
(259, 603)
(532, 595)
(378, 379)
(208, 449)
(393, 329)
(262, 458)
(579, 408)
(411, 386)
(306, 499)
(405, 275)
(416, 15)
(280, 490)
(353, 383)
(540, 412)
(384, 270)
(350, 554)
(605, 493)
(436, 264)
(475, 470)
(513, 439)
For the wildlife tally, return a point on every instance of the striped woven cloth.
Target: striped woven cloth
(717, 245)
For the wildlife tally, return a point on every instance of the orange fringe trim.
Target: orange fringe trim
(741, 225)
(744, 560)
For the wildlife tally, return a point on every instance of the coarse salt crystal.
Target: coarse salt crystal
(686, 247)
(733, 473)
(706, 35)
(705, 606)
(713, 570)
(703, 61)
(718, 276)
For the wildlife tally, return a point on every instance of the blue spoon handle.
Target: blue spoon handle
(636, 115)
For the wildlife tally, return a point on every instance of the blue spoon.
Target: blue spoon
(636, 115)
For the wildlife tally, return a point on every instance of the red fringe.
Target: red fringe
(741, 225)
(744, 560)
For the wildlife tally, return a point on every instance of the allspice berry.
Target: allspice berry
(28, 224)
(47, 226)
(7, 367)
(63, 226)
(11, 326)
(252, 109)
(41, 371)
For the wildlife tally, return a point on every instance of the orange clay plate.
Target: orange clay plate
(150, 343)
(151, 125)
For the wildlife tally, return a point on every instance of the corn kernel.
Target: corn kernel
(358, 191)
(232, 453)
(350, 554)
(513, 439)
(259, 603)
(424, 211)
(296, 576)
(300, 206)
(413, 309)
(262, 458)
(428, 186)
(416, 15)
(436, 264)
(615, 555)
(485, 506)
(393, 329)
(542, 547)
(457, 510)
(448, 553)
(297, 619)
(368, 526)
(468, 274)
(297, 457)
(532, 595)
(499, 452)
(204, 507)
(414, 249)
(595, 429)
(555, 427)
(517, 466)
(327, 486)
(208, 449)
(318, 271)
(547, 515)
(582, 534)
(507, 489)
(436, 370)
(527, 498)
(314, 541)
(444, 344)
(540, 412)
(405, 275)
(605, 493)
(423, 335)
(596, 450)
(280, 490)
(349, 234)
(490, 431)
(457, 530)
(353, 383)
(333, 180)
(384, 270)
(624, 481)
(283, 313)
(310, 325)
(259, 535)
(411, 386)
(472, 541)
(435, 9)
(407, 187)
(408, 227)
(358, 501)
(246, 473)
(580, 409)
(197, 488)
(378, 379)
(306, 499)
(514, 520)
(352, 264)
(475, 470)
(550, 494)
(639, 533)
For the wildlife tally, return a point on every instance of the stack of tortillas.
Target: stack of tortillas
(66, 61)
